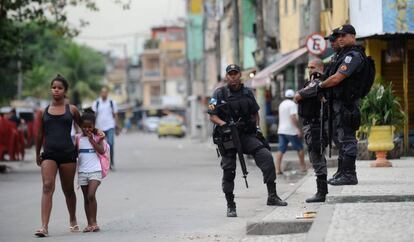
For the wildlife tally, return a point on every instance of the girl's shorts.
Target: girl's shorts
(85, 177)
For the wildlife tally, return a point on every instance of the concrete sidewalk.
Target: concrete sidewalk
(379, 208)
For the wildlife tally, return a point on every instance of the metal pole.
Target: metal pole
(204, 75)
(218, 43)
(19, 60)
(314, 19)
(236, 53)
(261, 45)
(405, 88)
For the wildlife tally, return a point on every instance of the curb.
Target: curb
(258, 226)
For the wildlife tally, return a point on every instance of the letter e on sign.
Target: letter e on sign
(316, 44)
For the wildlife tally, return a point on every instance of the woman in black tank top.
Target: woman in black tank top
(59, 153)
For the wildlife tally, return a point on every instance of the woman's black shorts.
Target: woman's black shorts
(60, 157)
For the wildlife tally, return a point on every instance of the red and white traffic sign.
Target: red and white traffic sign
(316, 44)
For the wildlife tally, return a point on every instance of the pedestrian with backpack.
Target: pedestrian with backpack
(350, 79)
(106, 111)
(93, 165)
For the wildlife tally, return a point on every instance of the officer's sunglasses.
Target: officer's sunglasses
(311, 67)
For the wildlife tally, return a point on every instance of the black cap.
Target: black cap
(334, 34)
(346, 29)
(232, 67)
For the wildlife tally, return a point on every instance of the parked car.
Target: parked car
(150, 124)
(171, 125)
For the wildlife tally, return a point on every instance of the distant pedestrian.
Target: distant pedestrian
(90, 146)
(59, 153)
(106, 111)
(289, 131)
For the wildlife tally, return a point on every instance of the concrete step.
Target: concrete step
(383, 199)
(276, 238)
(283, 220)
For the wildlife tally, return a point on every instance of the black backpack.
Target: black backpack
(367, 76)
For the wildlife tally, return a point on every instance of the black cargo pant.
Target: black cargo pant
(311, 130)
(262, 156)
(344, 128)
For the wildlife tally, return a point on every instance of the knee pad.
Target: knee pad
(229, 175)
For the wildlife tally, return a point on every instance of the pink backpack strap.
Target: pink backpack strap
(77, 139)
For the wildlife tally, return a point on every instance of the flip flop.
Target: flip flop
(95, 228)
(88, 229)
(42, 232)
(74, 228)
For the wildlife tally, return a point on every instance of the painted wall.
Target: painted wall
(289, 25)
(248, 18)
(195, 36)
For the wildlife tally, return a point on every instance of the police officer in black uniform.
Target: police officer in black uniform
(346, 76)
(244, 111)
(333, 39)
(310, 112)
(330, 70)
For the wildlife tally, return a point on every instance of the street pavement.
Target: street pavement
(162, 190)
(379, 209)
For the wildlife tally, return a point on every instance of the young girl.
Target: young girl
(89, 166)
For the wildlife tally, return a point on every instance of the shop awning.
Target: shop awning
(263, 77)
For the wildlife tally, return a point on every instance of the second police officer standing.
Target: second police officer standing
(243, 109)
(310, 109)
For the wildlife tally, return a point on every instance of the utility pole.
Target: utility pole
(218, 41)
(236, 53)
(204, 73)
(19, 58)
(314, 19)
(261, 45)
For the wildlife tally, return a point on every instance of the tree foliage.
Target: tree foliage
(37, 33)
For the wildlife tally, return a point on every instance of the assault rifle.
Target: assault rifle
(235, 138)
(330, 120)
(326, 96)
(237, 145)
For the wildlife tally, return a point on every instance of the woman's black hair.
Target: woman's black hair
(88, 114)
(61, 79)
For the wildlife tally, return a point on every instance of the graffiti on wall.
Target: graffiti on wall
(398, 15)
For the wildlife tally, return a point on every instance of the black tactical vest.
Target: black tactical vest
(240, 107)
(342, 91)
(309, 108)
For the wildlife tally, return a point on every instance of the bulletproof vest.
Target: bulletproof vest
(239, 106)
(344, 90)
(309, 108)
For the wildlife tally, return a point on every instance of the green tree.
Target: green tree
(25, 27)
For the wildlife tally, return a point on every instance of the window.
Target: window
(294, 5)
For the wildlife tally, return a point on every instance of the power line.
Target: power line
(109, 37)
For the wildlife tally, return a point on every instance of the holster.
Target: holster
(259, 135)
(223, 139)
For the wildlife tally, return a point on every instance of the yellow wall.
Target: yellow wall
(172, 45)
(289, 26)
(335, 17)
(340, 13)
(374, 49)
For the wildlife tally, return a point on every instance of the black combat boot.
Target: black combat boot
(231, 205)
(273, 199)
(348, 176)
(337, 173)
(322, 190)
